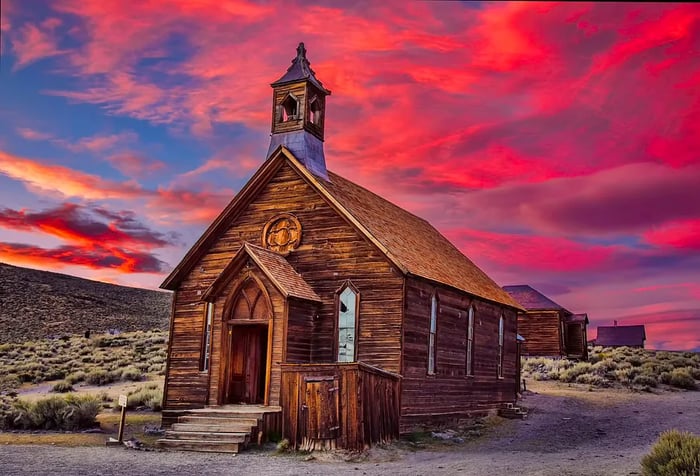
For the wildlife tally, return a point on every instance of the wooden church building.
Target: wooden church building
(313, 309)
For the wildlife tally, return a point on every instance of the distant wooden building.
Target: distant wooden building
(549, 329)
(621, 336)
(315, 308)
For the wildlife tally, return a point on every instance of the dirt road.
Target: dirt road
(569, 432)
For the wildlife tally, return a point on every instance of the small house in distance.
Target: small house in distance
(621, 336)
(549, 329)
(318, 310)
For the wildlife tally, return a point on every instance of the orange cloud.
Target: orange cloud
(63, 181)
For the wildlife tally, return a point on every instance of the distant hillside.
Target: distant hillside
(37, 304)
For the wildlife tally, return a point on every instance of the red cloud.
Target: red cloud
(95, 257)
(76, 224)
(680, 234)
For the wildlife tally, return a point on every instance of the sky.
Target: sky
(556, 144)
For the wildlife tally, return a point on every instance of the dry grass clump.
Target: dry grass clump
(101, 360)
(634, 368)
(70, 412)
(62, 387)
(674, 454)
(149, 396)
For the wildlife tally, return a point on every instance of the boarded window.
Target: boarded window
(347, 323)
(433, 334)
(500, 347)
(205, 356)
(469, 366)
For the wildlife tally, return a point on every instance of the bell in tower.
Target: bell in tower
(298, 114)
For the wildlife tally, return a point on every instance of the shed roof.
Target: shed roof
(609, 336)
(533, 300)
(583, 317)
(274, 266)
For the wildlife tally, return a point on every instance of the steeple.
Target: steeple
(298, 114)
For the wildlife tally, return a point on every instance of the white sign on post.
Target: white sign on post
(122, 400)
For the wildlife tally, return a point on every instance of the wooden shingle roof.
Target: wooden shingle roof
(274, 266)
(413, 245)
(533, 300)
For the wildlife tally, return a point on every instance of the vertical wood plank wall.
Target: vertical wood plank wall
(331, 251)
(542, 333)
(367, 399)
(449, 394)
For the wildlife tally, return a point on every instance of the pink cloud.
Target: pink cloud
(135, 165)
(677, 234)
(32, 134)
(32, 42)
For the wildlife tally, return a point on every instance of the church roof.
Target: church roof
(274, 266)
(413, 245)
(300, 70)
(533, 300)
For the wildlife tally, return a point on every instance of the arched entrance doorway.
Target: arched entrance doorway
(247, 324)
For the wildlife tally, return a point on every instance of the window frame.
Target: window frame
(501, 344)
(336, 344)
(207, 328)
(469, 349)
(432, 333)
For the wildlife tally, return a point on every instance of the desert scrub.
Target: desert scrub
(53, 413)
(681, 378)
(644, 381)
(62, 387)
(571, 374)
(149, 396)
(101, 377)
(674, 454)
(132, 374)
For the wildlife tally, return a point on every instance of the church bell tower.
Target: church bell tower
(299, 114)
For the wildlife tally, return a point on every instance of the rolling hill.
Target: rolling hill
(39, 304)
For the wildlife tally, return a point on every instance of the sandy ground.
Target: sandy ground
(570, 431)
(33, 392)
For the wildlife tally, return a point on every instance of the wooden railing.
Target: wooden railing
(339, 405)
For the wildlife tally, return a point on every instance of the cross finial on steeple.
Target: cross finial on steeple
(301, 51)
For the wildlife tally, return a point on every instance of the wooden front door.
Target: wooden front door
(247, 364)
(246, 359)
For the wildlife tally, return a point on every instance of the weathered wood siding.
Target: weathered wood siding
(542, 333)
(340, 405)
(450, 394)
(300, 328)
(576, 345)
(331, 251)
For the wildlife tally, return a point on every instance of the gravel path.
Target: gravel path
(569, 432)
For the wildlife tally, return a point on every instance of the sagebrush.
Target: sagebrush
(675, 453)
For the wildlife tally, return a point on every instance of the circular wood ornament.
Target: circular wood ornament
(282, 233)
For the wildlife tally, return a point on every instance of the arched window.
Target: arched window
(289, 109)
(469, 367)
(433, 334)
(315, 110)
(348, 300)
(500, 347)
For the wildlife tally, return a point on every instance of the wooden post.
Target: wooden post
(122, 403)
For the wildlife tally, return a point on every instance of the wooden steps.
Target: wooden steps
(512, 412)
(225, 429)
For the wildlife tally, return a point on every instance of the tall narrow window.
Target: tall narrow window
(348, 300)
(470, 343)
(433, 334)
(500, 347)
(205, 357)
